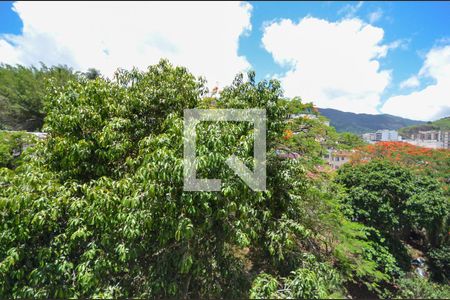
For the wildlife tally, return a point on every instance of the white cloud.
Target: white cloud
(375, 15)
(202, 36)
(433, 101)
(7, 53)
(402, 44)
(332, 64)
(411, 82)
(350, 10)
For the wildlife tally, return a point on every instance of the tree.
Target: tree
(98, 209)
(11, 146)
(434, 162)
(22, 93)
(440, 263)
(313, 280)
(348, 141)
(395, 200)
(307, 133)
(92, 73)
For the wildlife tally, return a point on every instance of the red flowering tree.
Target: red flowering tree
(431, 161)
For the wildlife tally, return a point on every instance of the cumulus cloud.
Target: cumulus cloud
(433, 101)
(201, 36)
(333, 64)
(411, 82)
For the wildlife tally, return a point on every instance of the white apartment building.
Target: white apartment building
(382, 136)
(369, 137)
(435, 139)
(386, 135)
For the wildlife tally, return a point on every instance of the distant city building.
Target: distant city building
(435, 139)
(369, 137)
(446, 139)
(381, 136)
(386, 135)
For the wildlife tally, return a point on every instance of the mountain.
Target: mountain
(361, 123)
(441, 124)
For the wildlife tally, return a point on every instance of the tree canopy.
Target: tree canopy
(97, 209)
(22, 93)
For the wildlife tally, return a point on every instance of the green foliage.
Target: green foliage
(363, 258)
(310, 138)
(439, 259)
(397, 202)
(420, 288)
(393, 199)
(297, 106)
(11, 146)
(433, 162)
(96, 125)
(307, 133)
(99, 210)
(22, 93)
(348, 141)
(313, 280)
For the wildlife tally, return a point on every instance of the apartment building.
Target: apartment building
(381, 136)
(435, 139)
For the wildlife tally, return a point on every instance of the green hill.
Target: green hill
(361, 123)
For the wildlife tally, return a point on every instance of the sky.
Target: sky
(363, 57)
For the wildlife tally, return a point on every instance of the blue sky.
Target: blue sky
(410, 42)
(420, 24)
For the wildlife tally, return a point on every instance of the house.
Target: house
(336, 158)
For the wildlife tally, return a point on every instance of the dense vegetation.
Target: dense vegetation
(97, 209)
(362, 123)
(11, 146)
(434, 162)
(310, 135)
(396, 201)
(22, 94)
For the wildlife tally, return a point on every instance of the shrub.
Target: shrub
(314, 280)
(420, 288)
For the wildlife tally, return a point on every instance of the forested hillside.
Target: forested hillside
(97, 208)
(362, 123)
